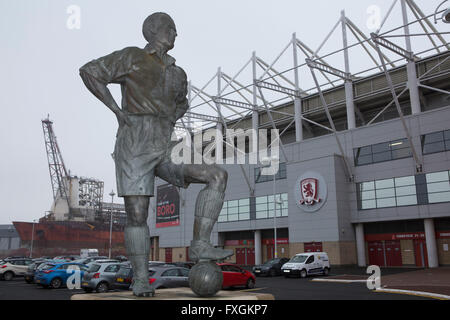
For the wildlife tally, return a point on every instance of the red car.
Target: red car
(234, 276)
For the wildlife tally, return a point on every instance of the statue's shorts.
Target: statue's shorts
(143, 151)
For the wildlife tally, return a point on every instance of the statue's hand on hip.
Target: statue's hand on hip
(122, 119)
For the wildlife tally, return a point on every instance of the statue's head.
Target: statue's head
(159, 28)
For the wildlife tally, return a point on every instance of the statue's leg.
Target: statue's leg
(137, 242)
(207, 209)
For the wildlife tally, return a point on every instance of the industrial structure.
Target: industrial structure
(365, 155)
(78, 218)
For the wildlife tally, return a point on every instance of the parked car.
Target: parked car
(121, 258)
(123, 277)
(187, 264)
(161, 276)
(304, 264)
(234, 276)
(67, 257)
(90, 259)
(271, 267)
(32, 268)
(14, 267)
(55, 275)
(156, 263)
(100, 276)
(168, 276)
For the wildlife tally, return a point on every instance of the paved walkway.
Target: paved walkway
(436, 281)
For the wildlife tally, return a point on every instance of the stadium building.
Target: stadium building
(364, 171)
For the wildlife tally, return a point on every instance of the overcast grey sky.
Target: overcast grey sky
(40, 58)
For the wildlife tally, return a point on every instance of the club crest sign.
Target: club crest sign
(310, 191)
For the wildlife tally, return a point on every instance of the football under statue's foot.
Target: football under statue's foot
(200, 251)
(141, 288)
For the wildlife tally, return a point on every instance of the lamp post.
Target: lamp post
(112, 194)
(32, 239)
(266, 161)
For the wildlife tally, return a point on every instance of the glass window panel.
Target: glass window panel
(368, 204)
(447, 144)
(380, 147)
(244, 202)
(233, 217)
(439, 197)
(386, 183)
(386, 202)
(244, 209)
(244, 216)
(223, 218)
(261, 200)
(433, 137)
(399, 144)
(261, 207)
(284, 196)
(364, 160)
(447, 134)
(405, 181)
(223, 212)
(232, 203)
(437, 176)
(438, 186)
(270, 198)
(405, 191)
(233, 210)
(225, 203)
(401, 153)
(261, 214)
(363, 186)
(270, 213)
(434, 147)
(363, 151)
(383, 193)
(406, 200)
(382, 156)
(367, 195)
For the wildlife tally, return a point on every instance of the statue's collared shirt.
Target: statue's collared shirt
(153, 97)
(150, 85)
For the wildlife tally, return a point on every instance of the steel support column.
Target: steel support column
(297, 100)
(349, 101)
(411, 66)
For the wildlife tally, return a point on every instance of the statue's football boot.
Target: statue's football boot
(201, 251)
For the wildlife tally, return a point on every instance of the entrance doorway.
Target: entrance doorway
(420, 252)
(313, 246)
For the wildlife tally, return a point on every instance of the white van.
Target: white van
(304, 264)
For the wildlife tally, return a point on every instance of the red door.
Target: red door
(393, 253)
(313, 246)
(376, 254)
(187, 254)
(250, 253)
(168, 255)
(420, 252)
(270, 253)
(240, 256)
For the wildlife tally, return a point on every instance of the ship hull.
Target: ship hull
(53, 238)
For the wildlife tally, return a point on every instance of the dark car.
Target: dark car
(270, 268)
(29, 275)
(123, 278)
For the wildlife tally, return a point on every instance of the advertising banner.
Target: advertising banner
(167, 206)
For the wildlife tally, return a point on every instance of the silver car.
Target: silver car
(168, 276)
(100, 276)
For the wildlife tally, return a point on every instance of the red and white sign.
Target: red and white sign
(309, 190)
